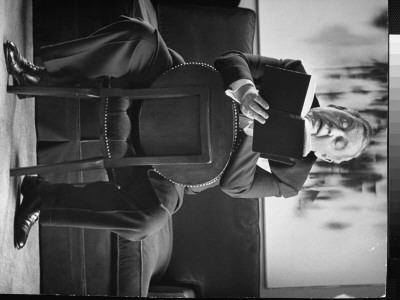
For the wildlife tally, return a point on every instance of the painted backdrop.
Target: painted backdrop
(334, 232)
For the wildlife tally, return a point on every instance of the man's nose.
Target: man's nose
(330, 129)
(326, 129)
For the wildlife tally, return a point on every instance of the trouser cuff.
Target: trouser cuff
(49, 197)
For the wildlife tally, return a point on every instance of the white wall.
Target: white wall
(252, 4)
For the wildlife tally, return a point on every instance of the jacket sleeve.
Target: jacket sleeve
(234, 65)
(244, 179)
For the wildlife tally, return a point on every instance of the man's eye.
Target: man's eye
(345, 124)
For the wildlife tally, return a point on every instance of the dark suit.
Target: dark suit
(243, 178)
(133, 52)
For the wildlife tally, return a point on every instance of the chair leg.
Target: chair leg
(33, 91)
(70, 166)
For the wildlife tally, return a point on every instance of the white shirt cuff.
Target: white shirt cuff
(235, 86)
(239, 83)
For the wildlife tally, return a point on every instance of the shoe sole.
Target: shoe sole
(6, 52)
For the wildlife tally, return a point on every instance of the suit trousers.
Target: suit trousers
(129, 49)
(132, 52)
(136, 209)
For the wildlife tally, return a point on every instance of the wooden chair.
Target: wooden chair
(179, 114)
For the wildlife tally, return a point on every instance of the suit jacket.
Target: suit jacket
(242, 177)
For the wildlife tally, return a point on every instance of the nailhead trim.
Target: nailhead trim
(114, 175)
(192, 63)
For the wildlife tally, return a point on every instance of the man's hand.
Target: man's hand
(251, 103)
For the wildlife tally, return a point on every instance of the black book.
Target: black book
(289, 95)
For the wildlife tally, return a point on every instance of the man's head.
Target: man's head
(338, 133)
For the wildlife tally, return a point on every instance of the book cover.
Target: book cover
(279, 136)
(289, 95)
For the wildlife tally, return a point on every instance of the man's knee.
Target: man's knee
(157, 220)
(136, 29)
(170, 196)
(151, 221)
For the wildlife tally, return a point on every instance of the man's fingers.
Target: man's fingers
(254, 107)
(261, 101)
(253, 115)
(258, 110)
(256, 117)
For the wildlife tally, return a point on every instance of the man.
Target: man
(334, 134)
(133, 53)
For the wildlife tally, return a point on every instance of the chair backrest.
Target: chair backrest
(198, 121)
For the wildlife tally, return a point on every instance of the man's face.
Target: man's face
(336, 134)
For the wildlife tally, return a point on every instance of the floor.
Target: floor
(20, 269)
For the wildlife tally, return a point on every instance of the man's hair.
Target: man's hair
(367, 132)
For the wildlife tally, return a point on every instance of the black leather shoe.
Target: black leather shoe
(28, 212)
(23, 71)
